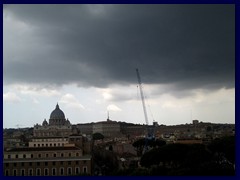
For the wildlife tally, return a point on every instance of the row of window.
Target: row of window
(46, 172)
(45, 163)
(50, 145)
(47, 140)
(68, 129)
(46, 155)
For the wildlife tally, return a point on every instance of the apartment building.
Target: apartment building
(47, 161)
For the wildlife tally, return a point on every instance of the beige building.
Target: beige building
(48, 141)
(51, 161)
(107, 128)
(85, 128)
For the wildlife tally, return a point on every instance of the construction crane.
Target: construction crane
(142, 96)
(150, 132)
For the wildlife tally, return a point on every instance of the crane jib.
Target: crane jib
(142, 96)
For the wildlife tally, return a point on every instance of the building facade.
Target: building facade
(51, 161)
(53, 151)
(85, 128)
(57, 125)
(48, 141)
(107, 128)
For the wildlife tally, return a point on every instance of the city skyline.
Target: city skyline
(84, 57)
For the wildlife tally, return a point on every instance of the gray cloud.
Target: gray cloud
(190, 46)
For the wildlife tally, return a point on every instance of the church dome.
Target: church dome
(57, 113)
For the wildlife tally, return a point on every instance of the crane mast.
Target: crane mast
(142, 97)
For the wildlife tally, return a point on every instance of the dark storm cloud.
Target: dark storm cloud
(190, 46)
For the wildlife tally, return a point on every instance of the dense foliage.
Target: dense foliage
(151, 143)
(97, 136)
(216, 159)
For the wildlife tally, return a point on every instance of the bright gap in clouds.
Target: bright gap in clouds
(84, 105)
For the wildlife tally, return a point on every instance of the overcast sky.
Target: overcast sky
(84, 57)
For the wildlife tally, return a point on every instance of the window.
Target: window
(69, 171)
(54, 155)
(46, 172)
(38, 172)
(69, 162)
(9, 156)
(14, 172)
(54, 144)
(84, 162)
(24, 156)
(38, 145)
(46, 155)
(46, 163)
(7, 164)
(38, 163)
(62, 171)
(39, 155)
(16, 156)
(6, 173)
(54, 171)
(85, 169)
(22, 163)
(77, 170)
(14, 164)
(51, 144)
(58, 144)
(42, 145)
(53, 163)
(69, 154)
(77, 162)
(61, 162)
(47, 145)
(30, 163)
(22, 172)
(31, 155)
(61, 154)
(77, 154)
(30, 172)
(34, 145)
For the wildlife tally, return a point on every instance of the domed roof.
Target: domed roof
(45, 123)
(57, 113)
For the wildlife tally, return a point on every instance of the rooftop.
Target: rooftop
(43, 149)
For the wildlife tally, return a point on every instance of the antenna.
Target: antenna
(108, 115)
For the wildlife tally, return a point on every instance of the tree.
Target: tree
(176, 156)
(225, 146)
(156, 143)
(110, 148)
(209, 128)
(139, 145)
(98, 136)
